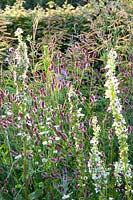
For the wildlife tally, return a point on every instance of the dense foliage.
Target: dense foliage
(32, 3)
(66, 101)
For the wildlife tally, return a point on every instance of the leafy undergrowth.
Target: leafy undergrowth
(66, 103)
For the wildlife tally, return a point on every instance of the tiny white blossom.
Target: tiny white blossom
(66, 196)
(43, 133)
(50, 141)
(55, 151)
(57, 138)
(18, 32)
(18, 157)
(44, 160)
(45, 143)
(9, 113)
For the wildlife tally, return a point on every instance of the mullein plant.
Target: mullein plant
(96, 163)
(122, 170)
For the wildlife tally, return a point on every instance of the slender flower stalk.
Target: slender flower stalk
(20, 75)
(119, 123)
(76, 118)
(25, 168)
(96, 163)
(21, 62)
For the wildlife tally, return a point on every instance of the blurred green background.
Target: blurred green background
(32, 3)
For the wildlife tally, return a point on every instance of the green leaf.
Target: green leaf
(35, 195)
(46, 61)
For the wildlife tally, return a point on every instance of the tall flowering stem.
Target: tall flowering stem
(119, 124)
(76, 119)
(96, 162)
(20, 75)
(21, 63)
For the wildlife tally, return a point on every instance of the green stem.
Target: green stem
(25, 169)
(9, 148)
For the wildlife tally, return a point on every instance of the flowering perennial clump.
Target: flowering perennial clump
(56, 138)
(119, 124)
